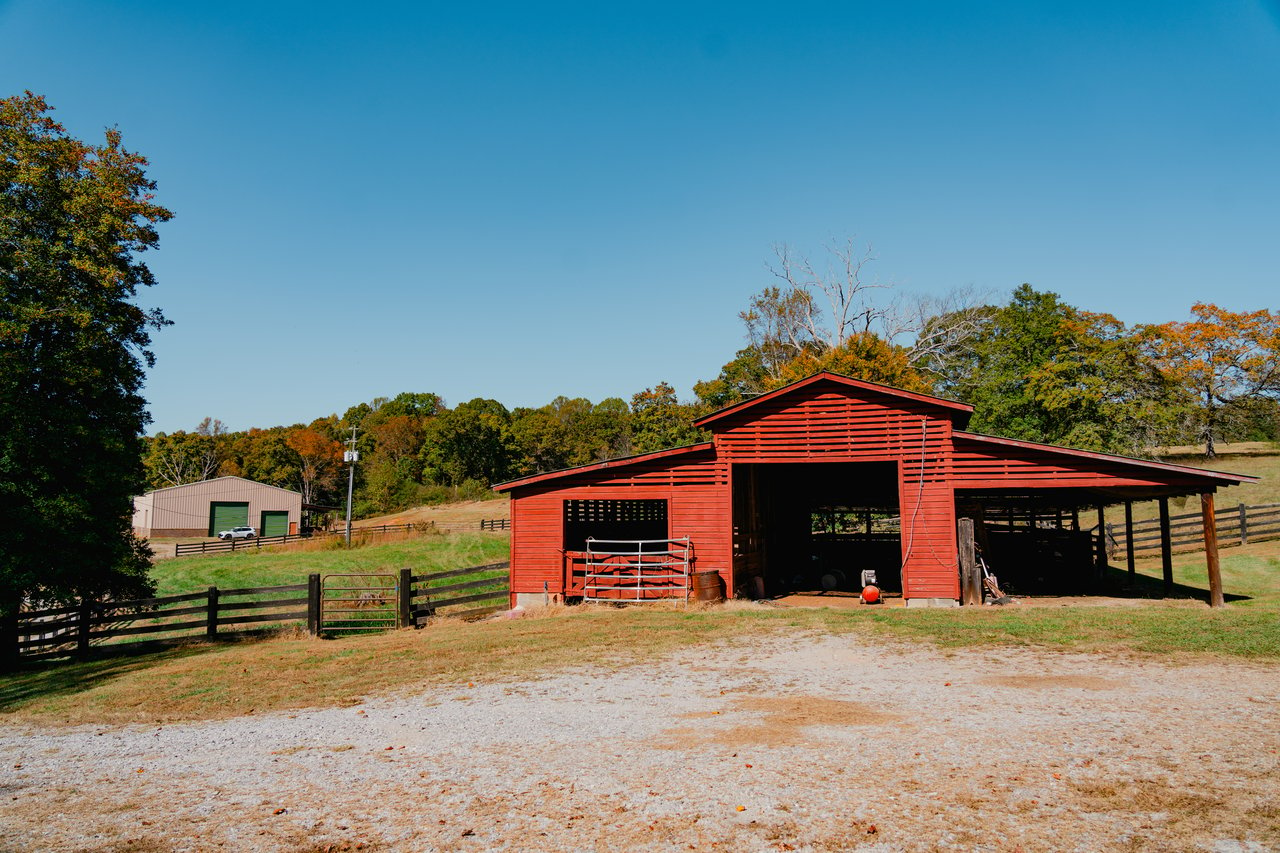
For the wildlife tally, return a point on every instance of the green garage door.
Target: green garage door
(275, 522)
(224, 515)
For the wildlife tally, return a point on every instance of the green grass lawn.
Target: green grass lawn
(208, 681)
(290, 564)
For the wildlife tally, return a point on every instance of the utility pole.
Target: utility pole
(350, 457)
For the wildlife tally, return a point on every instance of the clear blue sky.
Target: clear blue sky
(523, 200)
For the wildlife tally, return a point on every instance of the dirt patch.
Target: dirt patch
(778, 721)
(1053, 682)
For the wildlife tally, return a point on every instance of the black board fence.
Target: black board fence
(424, 596)
(1237, 525)
(90, 627)
(99, 628)
(225, 546)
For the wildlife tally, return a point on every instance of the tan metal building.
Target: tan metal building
(204, 508)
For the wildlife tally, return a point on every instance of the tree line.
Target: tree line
(76, 217)
(1034, 367)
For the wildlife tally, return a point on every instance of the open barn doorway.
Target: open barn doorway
(815, 526)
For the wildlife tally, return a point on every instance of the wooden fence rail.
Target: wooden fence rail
(98, 627)
(221, 546)
(1237, 525)
(421, 594)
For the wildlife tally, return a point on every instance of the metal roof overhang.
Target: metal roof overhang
(1128, 478)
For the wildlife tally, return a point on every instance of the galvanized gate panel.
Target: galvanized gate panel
(358, 603)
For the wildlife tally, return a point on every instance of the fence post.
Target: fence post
(406, 597)
(211, 629)
(1244, 525)
(313, 605)
(82, 628)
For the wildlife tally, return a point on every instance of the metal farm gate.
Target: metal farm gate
(359, 603)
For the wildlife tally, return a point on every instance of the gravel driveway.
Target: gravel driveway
(799, 743)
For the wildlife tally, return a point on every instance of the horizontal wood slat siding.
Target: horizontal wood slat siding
(696, 487)
(817, 424)
(984, 466)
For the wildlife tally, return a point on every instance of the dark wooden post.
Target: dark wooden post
(1166, 547)
(313, 605)
(84, 623)
(1211, 549)
(971, 584)
(211, 623)
(1244, 525)
(1075, 518)
(1102, 539)
(406, 598)
(1128, 542)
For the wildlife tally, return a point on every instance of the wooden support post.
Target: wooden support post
(1244, 525)
(1128, 542)
(1211, 549)
(1102, 538)
(971, 584)
(211, 624)
(313, 605)
(1166, 547)
(1075, 518)
(406, 599)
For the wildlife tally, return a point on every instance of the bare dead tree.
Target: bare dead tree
(842, 282)
(818, 307)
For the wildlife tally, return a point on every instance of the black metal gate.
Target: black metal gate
(358, 603)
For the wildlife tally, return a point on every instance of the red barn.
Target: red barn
(814, 483)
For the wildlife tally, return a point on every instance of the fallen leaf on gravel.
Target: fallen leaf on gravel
(742, 808)
(280, 811)
(467, 832)
(871, 830)
(139, 770)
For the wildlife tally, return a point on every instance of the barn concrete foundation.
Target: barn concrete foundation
(932, 602)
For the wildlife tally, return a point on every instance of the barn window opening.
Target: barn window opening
(613, 520)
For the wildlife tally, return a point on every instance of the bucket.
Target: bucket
(707, 586)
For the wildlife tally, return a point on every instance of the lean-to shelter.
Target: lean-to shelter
(817, 482)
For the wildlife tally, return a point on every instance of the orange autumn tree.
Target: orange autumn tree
(320, 457)
(1220, 358)
(862, 355)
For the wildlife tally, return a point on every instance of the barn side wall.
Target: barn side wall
(697, 492)
(184, 510)
(848, 425)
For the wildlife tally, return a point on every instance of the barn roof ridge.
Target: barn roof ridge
(223, 477)
(964, 410)
(1224, 476)
(600, 466)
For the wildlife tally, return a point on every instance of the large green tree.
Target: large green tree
(1043, 370)
(73, 346)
